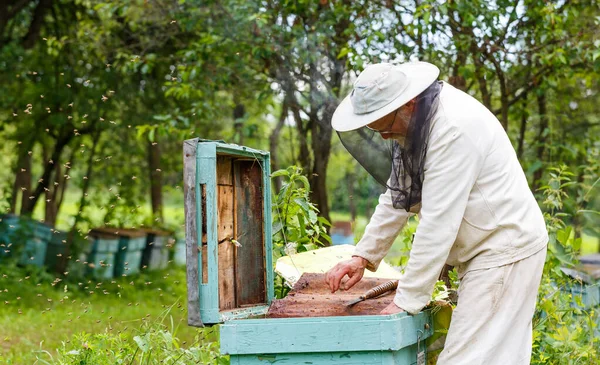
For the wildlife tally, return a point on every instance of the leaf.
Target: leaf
(280, 173)
(312, 216)
(324, 221)
(301, 225)
(343, 52)
(142, 343)
(534, 167)
(151, 135)
(305, 182)
(302, 202)
(278, 226)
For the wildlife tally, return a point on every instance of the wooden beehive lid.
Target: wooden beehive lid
(104, 232)
(111, 233)
(130, 232)
(156, 231)
(228, 231)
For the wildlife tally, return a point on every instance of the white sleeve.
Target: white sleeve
(452, 165)
(383, 228)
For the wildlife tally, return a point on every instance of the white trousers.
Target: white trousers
(491, 323)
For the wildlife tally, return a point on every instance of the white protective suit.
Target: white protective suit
(477, 213)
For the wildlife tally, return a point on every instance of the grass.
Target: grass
(40, 315)
(589, 244)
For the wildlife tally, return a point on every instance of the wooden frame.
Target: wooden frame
(228, 245)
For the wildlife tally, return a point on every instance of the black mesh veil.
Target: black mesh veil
(398, 164)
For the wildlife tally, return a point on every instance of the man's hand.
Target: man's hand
(354, 268)
(392, 308)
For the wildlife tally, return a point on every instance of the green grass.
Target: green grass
(589, 244)
(38, 317)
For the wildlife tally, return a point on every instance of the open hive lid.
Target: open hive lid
(228, 231)
(319, 261)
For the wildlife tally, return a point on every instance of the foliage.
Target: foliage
(151, 343)
(565, 328)
(296, 224)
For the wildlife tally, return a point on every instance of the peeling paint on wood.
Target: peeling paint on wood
(189, 192)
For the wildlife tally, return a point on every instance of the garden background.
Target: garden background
(96, 98)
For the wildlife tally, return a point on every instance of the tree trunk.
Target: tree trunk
(238, 121)
(303, 154)
(321, 146)
(523, 128)
(541, 139)
(63, 262)
(48, 169)
(35, 27)
(22, 183)
(56, 193)
(51, 210)
(479, 74)
(155, 180)
(273, 139)
(457, 80)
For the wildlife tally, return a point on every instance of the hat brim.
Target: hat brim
(420, 76)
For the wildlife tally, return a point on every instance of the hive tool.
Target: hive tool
(376, 291)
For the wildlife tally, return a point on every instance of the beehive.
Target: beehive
(230, 276)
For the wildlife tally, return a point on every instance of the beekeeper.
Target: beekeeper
(444, 156)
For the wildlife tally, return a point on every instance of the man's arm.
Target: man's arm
(379, 235)
(452, 166)
(383, 228)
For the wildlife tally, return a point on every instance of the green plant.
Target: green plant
(565, 330)
(296, 224)
(152, 343)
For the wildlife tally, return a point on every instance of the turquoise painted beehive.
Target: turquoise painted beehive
(155, 255)
(25, 236)
(129, 256)
(101, 260)
(230, 274)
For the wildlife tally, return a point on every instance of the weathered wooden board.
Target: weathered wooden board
(191, 243)
(226, 253)
(224, 170)
(250, 256)
(311, 297)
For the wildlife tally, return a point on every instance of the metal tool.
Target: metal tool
(376, 291)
